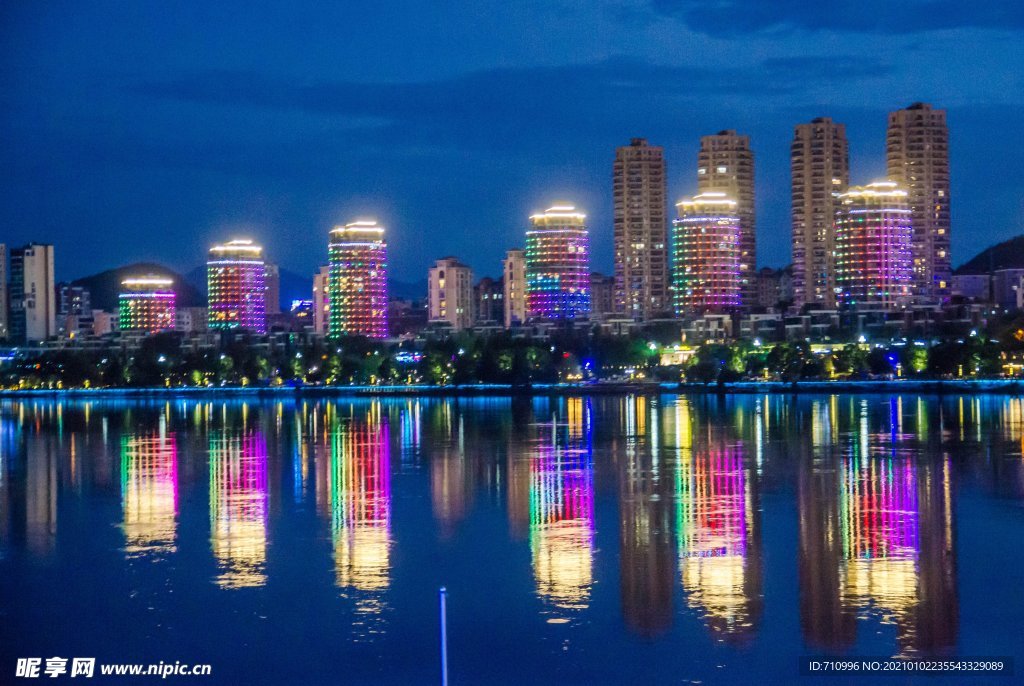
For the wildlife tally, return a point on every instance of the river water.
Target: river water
(606, 539)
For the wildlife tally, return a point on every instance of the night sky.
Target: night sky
(149, 130)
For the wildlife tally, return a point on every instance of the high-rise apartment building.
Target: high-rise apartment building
(4, 327)
(74, 310)
(489, 301)
(820, 166)
(321, 300)
(513, 270)
(602, 296)
(874, 246)
(706, 255)
(450, 293)
(272, 278)
(191, 319)
(236, 287)
(358, 280)
(917, 157)
(558, 265)
(33, 296)
(641, 231)
(725, 164)
(147, 303)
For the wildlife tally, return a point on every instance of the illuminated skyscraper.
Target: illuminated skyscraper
(873, 246)
(641, 231)
(147, 303)
(450, 293)
(725, 164)
(558, 265)
(236, 282)
(820, 164)
(513, 268)
(358, 280)
(917, 156)
(706, 255)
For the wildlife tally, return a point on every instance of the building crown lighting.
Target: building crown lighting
(559, 211)
(154, 282)
(238, 245)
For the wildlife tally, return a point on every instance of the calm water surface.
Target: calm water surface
(583, 540)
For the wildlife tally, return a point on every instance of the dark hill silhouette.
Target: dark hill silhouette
(1006, 255)
(104, 287)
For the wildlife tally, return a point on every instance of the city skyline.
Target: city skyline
(281, 146)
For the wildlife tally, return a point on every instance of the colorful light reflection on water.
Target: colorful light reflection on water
(604, 539)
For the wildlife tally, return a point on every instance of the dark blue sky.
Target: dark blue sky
(148, 130)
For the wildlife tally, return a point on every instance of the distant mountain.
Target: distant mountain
(197, 279)
(1006, 255)
(106, 286)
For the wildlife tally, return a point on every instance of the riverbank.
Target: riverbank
(930, 387)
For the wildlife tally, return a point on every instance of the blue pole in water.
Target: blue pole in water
(444, 636)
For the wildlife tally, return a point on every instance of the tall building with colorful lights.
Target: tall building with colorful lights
(725, 164)
(358, 280)
(641, 231)
(147, 303)
(706, 255)
(236, 283)
(558, 265)
(820, 165)
(874, 246)
(917, 158)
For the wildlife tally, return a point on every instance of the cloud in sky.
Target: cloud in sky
(565, 88)
(147, 131)
(737, 17)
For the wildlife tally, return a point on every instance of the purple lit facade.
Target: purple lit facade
(706, 255)
(874, 236)
(558, 265)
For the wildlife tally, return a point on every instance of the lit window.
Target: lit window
(721, 170)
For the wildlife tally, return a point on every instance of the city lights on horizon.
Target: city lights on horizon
(690, 266)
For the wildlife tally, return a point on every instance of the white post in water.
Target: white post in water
(444, 636)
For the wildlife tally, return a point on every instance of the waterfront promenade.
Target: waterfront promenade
(937, 387)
